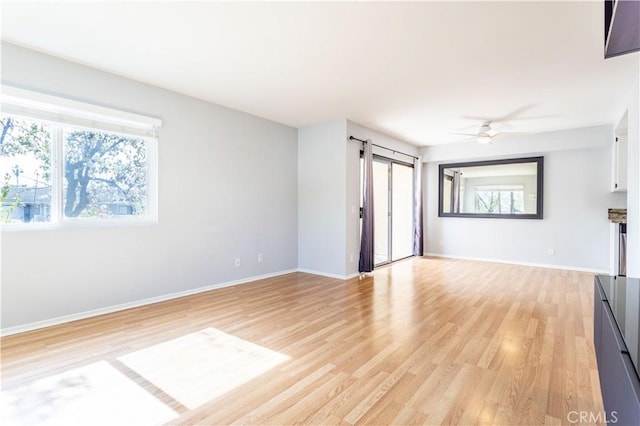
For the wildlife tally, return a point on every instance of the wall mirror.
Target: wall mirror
(509, 189)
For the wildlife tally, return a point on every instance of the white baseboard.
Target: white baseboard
(115, 308)
(328, 275)
(509, 262)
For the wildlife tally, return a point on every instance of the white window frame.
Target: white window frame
(60, 112)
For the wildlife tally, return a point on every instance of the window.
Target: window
(66, 162)
(504, 199)
(25, 165)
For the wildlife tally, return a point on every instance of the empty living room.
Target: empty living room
(322, 213)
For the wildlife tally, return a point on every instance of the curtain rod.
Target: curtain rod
(352, 138)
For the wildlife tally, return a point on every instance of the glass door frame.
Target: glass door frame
(396, 216)
(389, 162)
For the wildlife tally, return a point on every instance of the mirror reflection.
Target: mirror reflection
(500, 188)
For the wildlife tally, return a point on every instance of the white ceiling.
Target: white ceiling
(417, 71)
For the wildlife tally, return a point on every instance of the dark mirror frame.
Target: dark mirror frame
(539, 194)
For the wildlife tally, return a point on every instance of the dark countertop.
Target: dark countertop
(623, 297)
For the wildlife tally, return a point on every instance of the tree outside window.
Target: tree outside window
(505, 201)
(103, 174)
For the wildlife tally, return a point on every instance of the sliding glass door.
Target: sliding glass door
(381, 212)
(401, 211)
(393, 210)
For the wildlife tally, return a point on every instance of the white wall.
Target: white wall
(633, 188)
(321, 198)
(576, 198)
(227, 189)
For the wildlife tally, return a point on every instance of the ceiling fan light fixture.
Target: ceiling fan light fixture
(485, 139)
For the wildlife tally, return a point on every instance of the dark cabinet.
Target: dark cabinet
(621, 27)
(598, 303)
(620, 390)
(619, 381)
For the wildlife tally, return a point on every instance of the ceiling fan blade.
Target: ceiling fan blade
(506, 117)
(513, 115)
(467, 139)
(501, 134)
(464, 134)
(531, 117)
(516, 114)
(475, 118)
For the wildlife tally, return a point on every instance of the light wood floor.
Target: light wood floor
(425, 341)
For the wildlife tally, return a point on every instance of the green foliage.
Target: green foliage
(7, 210)
(19, 137)
(487, 202)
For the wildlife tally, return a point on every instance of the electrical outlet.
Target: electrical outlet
(260, 258)
(237, 262)
(551, 252)
(351, 258)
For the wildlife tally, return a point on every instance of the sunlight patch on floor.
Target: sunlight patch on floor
(95, 394)
(198, 367)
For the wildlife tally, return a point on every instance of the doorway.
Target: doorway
(393, 210)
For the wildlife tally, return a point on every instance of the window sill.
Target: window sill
(83, 223)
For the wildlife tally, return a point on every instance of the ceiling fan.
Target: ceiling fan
(485, 134)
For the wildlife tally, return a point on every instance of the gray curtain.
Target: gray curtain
(366, 239)
(455, 189)
(418, 241)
